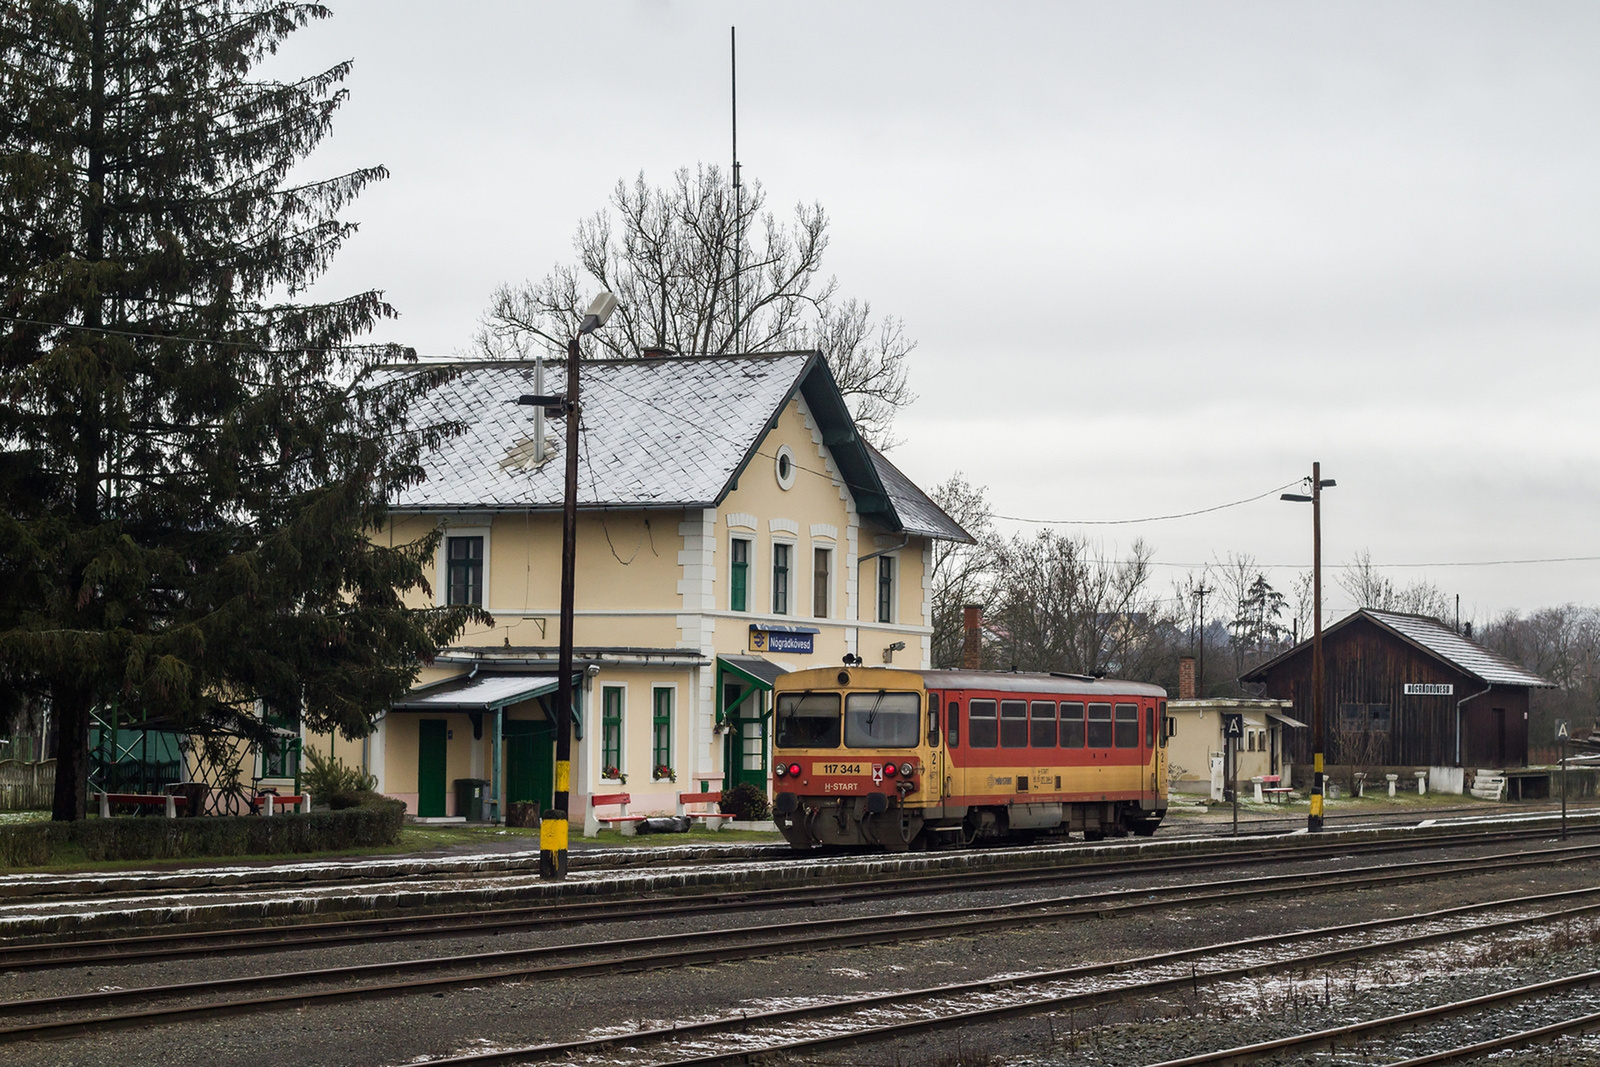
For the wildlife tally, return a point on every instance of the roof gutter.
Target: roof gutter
(904, 541)
(1459, 704)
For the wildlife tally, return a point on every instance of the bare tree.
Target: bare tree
(961, 574)
(1360, 579)
(668, 254)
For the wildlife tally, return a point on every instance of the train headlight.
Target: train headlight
(889, 770)
(907, 770)
(779, 770)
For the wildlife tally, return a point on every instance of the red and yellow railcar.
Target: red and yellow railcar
(895, 758)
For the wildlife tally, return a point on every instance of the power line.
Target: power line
(1151, 518)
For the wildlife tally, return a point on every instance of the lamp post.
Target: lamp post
(1318, 483)
(553, 827)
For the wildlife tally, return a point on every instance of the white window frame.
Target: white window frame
(749, 538)
(622, 732)
(441, 573)
(672, 731)
(833, 567)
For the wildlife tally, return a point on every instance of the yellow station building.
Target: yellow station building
(733, 525)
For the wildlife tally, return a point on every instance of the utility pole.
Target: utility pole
(738, 186)
(1314, 822)
(1200, 645)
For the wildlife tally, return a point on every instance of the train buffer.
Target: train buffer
(628, 824)
(169, 801)
(714, 818)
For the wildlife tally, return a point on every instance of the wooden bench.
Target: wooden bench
(714, 818)
(269, 803)
(628, 824)
(1277, 794)
(171, 802)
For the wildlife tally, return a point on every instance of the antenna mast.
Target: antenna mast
(738, 187)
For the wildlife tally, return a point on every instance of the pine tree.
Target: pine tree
(193, 461)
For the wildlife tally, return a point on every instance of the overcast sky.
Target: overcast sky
(1156, 256)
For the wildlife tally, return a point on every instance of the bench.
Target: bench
(1277, 794)
(169, 801)
(714, 818)
(269, 803)
(628, 824)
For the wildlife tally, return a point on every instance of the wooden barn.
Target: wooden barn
(1406, 690)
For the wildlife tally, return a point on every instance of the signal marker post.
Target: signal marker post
(1232, 730)
(1563, 734)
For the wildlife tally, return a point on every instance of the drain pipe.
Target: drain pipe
(904, 541)
(1459, 704)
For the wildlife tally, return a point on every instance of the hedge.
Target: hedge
(154, 838)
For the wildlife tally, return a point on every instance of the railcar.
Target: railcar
(906, 759)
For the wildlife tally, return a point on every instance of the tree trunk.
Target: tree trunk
(71, 707)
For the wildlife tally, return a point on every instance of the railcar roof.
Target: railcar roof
(1019, 682)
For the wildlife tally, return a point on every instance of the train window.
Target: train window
(882, 720)
(933, 719)
(1071, 725)
(1099, 725)
(808, 720)
(952, 724)
(1042, 724)
(982, 729)
(1127, 726)
(1171, 724)
(1013, 724)
(1149, 727)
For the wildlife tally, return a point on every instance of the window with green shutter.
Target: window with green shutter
(611, 731)
(739, 576)
(661, 734)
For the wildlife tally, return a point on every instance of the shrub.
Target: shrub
(746, 802)
(328, 776)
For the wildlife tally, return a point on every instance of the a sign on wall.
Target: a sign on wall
(1430, 689)
(796, 640)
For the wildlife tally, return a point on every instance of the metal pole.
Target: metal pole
(1314, 822)
(1563, 789)
(738, 185)
(553, 826)
(1233, 779)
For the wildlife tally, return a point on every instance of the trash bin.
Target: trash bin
(470, 794)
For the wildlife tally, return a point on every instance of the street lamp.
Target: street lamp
(553, 827)
(1318, 483)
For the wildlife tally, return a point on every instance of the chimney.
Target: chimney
(659, 353)
(1185, 677)
(971, 637)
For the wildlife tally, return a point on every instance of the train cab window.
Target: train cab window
(952, 724)
(808, 720)
(1099, 725)
(983, 731)
(1042, 724)
(1149, 727)
(1127, 726)
(882, 720)
(933, 719)
(1013, 724)
(1071, 725)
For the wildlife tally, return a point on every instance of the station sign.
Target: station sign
(1233, 726)
(1563, 730)
(791, 641)
(1430, 689)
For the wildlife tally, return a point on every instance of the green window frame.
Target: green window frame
(739, 575)
(661, 730)
(464, 570)
(781, 553)
(610, 730)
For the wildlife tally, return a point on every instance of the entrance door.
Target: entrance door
(432, 744)
(530, 762)
(746, 753)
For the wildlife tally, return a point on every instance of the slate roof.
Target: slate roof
(1433, 637)
(657, 433)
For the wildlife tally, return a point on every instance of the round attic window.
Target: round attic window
(785, 467)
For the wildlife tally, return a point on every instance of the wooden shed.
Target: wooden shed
(1406, 690)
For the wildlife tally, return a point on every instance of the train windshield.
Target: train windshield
(882, 720)
(808, 720)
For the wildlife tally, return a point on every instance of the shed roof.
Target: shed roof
(1435, 639)
(656, 433)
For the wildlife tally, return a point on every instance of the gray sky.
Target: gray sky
(1157, 256)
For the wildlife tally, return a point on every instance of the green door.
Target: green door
(431, 745)
(746, 754)
(530, 762)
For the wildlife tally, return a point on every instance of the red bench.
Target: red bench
(714, 818)
(169, 801)
(270, 803)
(628, 824)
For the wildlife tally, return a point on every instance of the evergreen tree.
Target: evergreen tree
(193, 461)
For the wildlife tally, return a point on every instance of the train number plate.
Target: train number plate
(838, 768)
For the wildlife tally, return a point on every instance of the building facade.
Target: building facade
(733, 525)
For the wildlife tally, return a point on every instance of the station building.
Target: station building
(733, 525)
(1406, 691)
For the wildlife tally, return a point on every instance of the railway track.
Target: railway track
(857, 1020)
(636, 954)
(18, 957)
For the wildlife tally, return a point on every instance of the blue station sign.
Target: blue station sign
(792, 640)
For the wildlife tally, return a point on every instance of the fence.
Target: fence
(27, 786)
